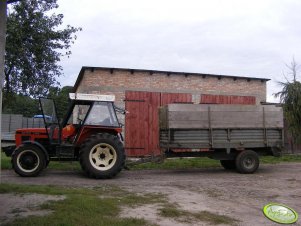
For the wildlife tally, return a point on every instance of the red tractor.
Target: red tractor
(89, 133)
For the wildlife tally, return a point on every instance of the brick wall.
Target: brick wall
(116, 82)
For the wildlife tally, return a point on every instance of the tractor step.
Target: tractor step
(65, 151)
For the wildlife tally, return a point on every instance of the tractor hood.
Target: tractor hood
(30, 135)
(31, 131)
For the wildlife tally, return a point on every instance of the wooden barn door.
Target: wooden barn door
(136, 123)
(142, 122)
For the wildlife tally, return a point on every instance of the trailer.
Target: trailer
(234, 134)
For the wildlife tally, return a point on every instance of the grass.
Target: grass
(5, 161)
(82, 206)
(74, 165)
(190, 163)
(284, 158)
(190, 217)
(180, 163)
(101, 206)
(176, 163)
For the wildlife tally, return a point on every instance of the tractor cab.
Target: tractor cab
(90, 133)
(87, 114)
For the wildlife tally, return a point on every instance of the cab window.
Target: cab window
(103, 114)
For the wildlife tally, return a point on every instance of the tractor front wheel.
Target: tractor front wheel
(102, 156)
(28, 160)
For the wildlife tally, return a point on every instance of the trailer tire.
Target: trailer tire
(228, 164)
(247, 162)
(102, 156)
(28, 160)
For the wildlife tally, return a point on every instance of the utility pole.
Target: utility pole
(3, 7)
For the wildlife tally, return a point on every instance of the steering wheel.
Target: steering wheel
(80, 121)
(51, 131)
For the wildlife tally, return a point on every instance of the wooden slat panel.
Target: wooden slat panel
(225, 119)
(188, 124)
(226, 99)
(221, 107)
(153, 124)
(169, 98)
(223, 116)
(187, 116)
(163, 118)
(274, 119)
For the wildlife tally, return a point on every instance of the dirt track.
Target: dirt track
(215, 190)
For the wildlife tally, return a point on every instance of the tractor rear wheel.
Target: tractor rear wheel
(102, 156)
(28, 160)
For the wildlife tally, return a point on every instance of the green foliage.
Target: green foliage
(5, 162)
(60, 97)
(282, 159)
(28, 107)
(180, 163)
(35, 43)
(172, 211)
(290, 97)
(20, 104)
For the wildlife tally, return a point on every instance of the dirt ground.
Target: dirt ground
(215, 190)
(23, 205)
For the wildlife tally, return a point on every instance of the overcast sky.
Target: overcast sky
(228, 37)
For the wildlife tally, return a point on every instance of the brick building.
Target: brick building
(141, 92)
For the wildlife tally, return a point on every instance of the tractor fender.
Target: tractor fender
(36, 144)
(9, 150)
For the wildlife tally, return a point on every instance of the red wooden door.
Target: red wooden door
(142, 122)
(136, 123)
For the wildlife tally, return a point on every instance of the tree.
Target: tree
(28, 106)
(290, 97)
(61, 99)
(35, 44)
(23, 105)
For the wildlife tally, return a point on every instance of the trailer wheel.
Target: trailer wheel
(28, 160)
(102, 156)
(247, 162)
(228, 164)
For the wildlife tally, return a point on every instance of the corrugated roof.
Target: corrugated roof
(81, 74)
